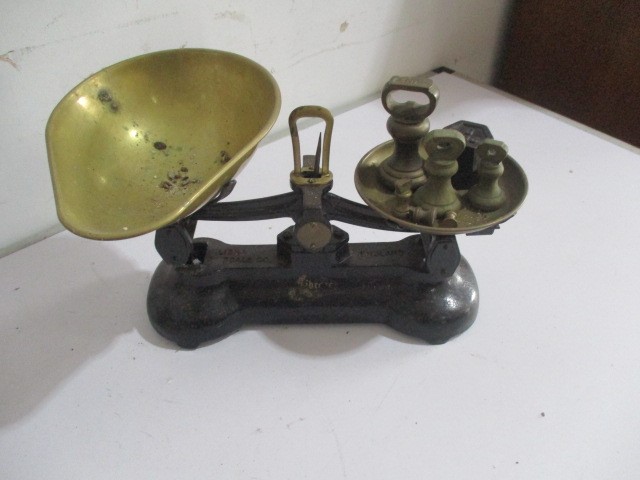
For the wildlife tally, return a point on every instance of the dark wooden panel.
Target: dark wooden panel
(578, 58)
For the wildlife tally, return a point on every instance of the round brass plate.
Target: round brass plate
(146, 142)
(382, 199)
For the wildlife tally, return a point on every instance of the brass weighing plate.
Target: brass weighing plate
(382, 199)
(147, 141)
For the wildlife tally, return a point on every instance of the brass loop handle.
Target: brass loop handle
(310, 111)
(444, 144)
(410, 112)
(492, 151)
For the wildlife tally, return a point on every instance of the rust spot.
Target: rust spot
(224, 156)
(159, 145)
(177, 179)
(104, 96)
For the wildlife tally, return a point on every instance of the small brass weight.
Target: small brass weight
(154, 143)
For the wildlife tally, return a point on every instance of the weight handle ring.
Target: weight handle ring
(411, 111)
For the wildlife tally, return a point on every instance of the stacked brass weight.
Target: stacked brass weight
(409, 180)
(487, 195)
(408, 123)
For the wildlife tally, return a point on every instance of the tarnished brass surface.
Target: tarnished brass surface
(146, 142)
(467, 219)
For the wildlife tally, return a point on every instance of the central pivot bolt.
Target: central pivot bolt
(313, 236)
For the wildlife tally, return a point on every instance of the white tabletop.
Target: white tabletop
(545, 384)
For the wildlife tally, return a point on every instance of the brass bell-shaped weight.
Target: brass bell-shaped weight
(443, 148)
(487, 195)
(408, 124)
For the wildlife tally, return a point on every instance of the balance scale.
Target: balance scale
(154, 143)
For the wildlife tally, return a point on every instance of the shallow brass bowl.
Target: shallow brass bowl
(147, 141)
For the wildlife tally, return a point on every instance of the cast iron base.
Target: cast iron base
(229, 286)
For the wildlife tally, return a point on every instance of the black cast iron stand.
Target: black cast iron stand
(205, 289)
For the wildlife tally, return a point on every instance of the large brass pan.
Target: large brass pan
(147, 141)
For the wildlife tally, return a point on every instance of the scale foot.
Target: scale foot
(442, 311)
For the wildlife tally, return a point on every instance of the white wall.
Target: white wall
(329, 52)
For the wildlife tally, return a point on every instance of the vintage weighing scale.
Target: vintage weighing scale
(154, 144)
